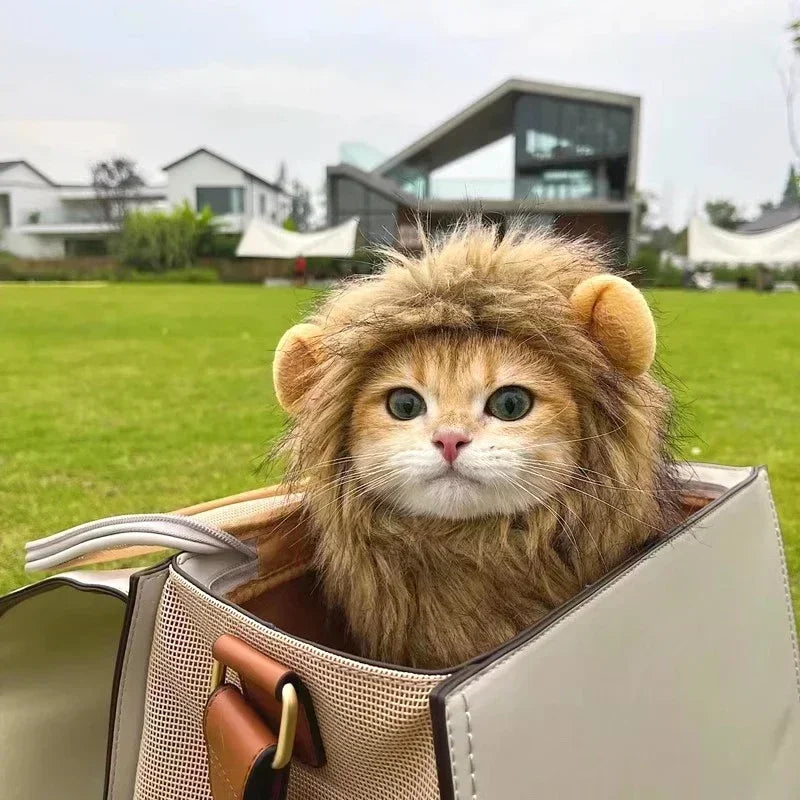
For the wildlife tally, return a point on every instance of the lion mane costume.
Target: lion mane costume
(410, 597)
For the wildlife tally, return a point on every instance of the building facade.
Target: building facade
(236, 195)
(42, 219)
(574, 170)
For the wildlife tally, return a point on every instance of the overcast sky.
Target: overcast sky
(263, 82)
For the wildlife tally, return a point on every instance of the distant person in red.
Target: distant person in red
(300, 271)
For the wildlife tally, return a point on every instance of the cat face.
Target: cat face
(460, 427)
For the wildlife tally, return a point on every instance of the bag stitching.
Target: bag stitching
(224, 774)
(471, 751)
(786, 588)
(452, 751)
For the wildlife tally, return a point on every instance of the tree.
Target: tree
(282, 175)
(301, 205)
(723, 214)
(791, 195)
(790, 78)
(116, 183)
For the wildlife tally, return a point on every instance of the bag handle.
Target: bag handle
(215, 526)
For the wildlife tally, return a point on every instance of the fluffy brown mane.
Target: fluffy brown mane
(432, 592)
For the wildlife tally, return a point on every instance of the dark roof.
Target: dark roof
(227, 161)
(4, 165)
(773, 218)
(486, 120)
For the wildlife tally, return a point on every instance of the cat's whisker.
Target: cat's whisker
(591, 538)
(564, 524)
(581, 438)
(574, 473)
(597, 499)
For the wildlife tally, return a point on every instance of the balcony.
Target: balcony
(66, 221)
(471, 189)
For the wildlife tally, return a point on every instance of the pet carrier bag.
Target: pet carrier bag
(219, 674)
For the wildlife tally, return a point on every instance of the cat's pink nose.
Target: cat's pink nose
(450, 443)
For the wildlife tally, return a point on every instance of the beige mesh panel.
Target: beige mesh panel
(375, 722)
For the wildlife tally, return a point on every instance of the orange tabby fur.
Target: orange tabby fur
(424, 576)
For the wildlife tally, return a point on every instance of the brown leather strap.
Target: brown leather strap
(240, 748)
(262, 679)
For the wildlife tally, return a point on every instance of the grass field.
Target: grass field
(139, 398)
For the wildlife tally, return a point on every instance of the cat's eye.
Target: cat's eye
(405, 404)
(509, 403)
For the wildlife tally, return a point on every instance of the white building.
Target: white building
(40, 218)
(233, 193)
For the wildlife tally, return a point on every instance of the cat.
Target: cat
(478, 437)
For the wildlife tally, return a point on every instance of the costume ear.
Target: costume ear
(292, 370)
(617, 316)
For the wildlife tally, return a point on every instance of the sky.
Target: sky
(265, 82)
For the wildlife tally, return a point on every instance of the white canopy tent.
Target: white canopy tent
(708, 243)
(262, 240)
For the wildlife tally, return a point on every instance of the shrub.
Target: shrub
(649, 271)
(742, 275)
(669, 276)
(159, 241)
(645, 266)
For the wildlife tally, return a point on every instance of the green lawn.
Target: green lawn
(140, 398)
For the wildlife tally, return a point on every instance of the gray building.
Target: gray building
(575, 155)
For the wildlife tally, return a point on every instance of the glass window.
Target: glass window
(559, 184)
(221, 199)
(552, 128)
(618, 128)
(262, 205)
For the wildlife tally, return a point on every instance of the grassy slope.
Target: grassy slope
(140, 398)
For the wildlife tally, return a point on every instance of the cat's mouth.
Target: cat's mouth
(452, 474)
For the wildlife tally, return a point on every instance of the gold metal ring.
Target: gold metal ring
(218, 672)
(285, 745)
(289, 709)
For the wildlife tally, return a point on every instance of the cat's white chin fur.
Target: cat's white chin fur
(464, 491)
(457, 497)
(487, 481)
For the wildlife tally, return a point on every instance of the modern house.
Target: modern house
(42, 219)
(574, 168)
(237, 195)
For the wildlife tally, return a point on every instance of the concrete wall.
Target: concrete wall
(28, 194)
(26, 245)
(278, 205)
